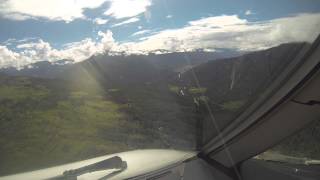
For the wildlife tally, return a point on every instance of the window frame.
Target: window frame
(289, 83)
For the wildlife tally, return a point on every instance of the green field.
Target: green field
(49, 122)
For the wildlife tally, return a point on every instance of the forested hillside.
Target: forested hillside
(48, 122)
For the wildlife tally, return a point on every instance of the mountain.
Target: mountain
(44, 69)
(240, 77)
(229, 85)
(107, 104)
(178, 61)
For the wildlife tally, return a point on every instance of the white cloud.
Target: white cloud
(41, 51)
(14, 42)
(17, 16)
(169, 16)
(131, 20)
(233, 33)
(141, 32)
(79, 51)
(8, 42)
(218, 21)
(100, 21)
(127, 8)
(9, 58)
(248, 12)
(208, 33)
(66, 10)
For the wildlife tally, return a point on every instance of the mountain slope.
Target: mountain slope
(230, 85)
(240, 77)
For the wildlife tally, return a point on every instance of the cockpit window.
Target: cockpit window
(80, 79)
(301, 148)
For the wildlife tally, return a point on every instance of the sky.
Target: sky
(51, 30)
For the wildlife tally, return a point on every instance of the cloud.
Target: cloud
(141, 32)
(131, 20)
(9, 58)
(169, 16)
(100, 21)
(218, 21)
(14, 42)
(66, 10)
(16, 16)
(248, 12)
(127, 8)
(42, 51)
(209, 33)
(233, 33)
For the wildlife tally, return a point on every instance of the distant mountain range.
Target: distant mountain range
(43, 69)
(225, 75)
(178, 61)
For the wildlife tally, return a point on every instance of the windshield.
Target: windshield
(301, 148)
(85, 78)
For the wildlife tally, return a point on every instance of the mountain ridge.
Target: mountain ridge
(174, 60)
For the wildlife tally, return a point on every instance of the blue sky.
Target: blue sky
(34, 30)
